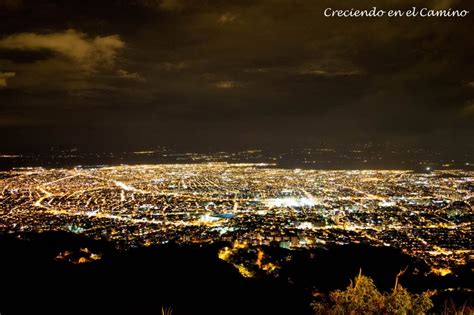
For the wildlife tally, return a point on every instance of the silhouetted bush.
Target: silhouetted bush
(363, 297)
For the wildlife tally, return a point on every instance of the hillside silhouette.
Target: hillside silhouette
(56, 273)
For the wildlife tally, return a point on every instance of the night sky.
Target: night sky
(128, 74)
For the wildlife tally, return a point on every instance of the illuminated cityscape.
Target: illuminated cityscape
(428, 215)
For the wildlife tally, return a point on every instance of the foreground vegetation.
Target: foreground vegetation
(363, 297)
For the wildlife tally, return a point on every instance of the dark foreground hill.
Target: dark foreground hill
(192, 280)
(60, 273)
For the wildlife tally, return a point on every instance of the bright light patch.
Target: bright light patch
(387, 204)
(441, 271)
(290, 202)
(208, 218)
(305, 226)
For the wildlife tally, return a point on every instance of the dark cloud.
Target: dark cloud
(10, 5)
(244, 72)
(88, 53)
(133, 76)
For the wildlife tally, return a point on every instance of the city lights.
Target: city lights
(428, 215)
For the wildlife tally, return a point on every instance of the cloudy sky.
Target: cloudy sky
(127, 74)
